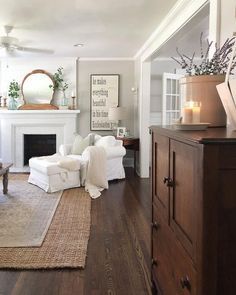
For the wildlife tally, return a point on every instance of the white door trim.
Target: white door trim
(181, 13)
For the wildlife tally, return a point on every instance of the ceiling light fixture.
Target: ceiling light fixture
(78, 45)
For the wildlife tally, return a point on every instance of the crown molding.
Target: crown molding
(106, 58)
(180, 13)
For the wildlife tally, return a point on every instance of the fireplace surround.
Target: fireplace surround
(16, 124)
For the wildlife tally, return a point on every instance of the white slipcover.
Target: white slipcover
(114, 153)
(51, 177)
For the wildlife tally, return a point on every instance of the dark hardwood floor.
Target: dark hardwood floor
(118, 259)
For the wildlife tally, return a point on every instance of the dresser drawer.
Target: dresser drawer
(172, 267)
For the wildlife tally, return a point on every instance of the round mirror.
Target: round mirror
(36, 91)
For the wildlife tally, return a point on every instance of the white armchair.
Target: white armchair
(114, 152)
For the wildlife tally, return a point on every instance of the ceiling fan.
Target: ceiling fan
(12, 44)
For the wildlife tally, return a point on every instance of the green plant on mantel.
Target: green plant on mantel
(216, 65)
(59, 83)
(14, 88)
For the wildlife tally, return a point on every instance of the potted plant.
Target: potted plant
(13, 93)
(60, 84)
(202, 77)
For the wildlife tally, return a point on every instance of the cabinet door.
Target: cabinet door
(160, 170)
(172, 268)
(183, 193)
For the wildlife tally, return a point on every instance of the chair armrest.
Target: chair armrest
(65, 149)
(119, 142)
(108, 141)
(115, 152)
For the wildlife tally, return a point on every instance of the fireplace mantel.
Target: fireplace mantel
(15, 124)
(20, 112)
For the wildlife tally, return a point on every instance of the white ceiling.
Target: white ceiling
(187, 39)
(108, 28)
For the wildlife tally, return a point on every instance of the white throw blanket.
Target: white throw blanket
(96, 179)
(62, 161)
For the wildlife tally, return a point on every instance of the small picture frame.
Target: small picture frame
(121, 132)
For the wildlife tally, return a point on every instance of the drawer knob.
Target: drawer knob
(165, 179)
(168, 181)
(155, 225)
(154, 262)
(185, 283)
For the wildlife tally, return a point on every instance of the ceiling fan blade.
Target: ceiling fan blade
(8, 52)
(35, 50)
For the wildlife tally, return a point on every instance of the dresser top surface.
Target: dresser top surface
(208, 136)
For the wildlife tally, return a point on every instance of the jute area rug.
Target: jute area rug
(65, 244)
(25, 213)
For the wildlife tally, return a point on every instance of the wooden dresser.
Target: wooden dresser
(194, 211)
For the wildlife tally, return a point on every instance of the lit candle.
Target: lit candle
(196, 114)
(191, 112)
(187, 115)
(188, 112)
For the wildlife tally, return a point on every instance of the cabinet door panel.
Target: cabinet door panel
(160, 171)
(172, 264)
(183, 171)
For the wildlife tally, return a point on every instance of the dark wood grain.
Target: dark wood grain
(211, 135)
(130, 143)
(161, 167)
(202, 213)
(183, 194)
(118, 260)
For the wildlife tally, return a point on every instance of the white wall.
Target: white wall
(17, 68)
(176, 18)
(158, 67)
(227, 19)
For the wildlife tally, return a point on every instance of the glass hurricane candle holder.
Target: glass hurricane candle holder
(191, 112)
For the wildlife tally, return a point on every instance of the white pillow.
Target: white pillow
(80, 144)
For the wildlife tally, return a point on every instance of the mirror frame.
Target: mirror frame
(32, 106)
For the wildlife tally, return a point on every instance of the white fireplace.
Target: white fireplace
(16, 124)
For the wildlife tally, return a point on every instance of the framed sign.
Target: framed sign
(104, 94)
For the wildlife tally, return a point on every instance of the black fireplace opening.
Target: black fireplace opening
(36, 145)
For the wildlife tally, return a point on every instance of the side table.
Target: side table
(131, 143)
(4, 169)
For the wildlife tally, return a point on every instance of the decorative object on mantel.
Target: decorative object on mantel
(60, 85)
(201, 83)
(13, 94)
(3, 101)
(227, 92)
(37, 95)
(73, 98)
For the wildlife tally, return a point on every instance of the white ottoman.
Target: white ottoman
(50, 176)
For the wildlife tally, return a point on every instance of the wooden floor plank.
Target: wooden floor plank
(118, 260)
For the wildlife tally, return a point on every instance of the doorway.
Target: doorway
(164, 107)
(165, 98)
